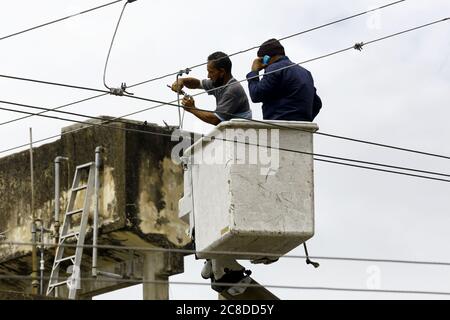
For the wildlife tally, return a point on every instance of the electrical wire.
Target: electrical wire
(216, 252)
(247, 143)
(280, 39)
(229, 284)
(111, 45)
(361, 44)
(283, 149)
(57, 111)
(286, 37)
(52, 110)
(253, 120)
(380, 170)
(58, 20)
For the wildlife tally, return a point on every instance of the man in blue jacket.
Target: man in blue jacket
(286, 90)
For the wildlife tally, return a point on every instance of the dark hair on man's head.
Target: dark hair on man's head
(271, 47)
(220, 60)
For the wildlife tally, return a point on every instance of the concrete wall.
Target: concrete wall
(140, 189)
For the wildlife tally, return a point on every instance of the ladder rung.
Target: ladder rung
(58, 284)
(86, 165)
(79, 188)
(74, 212)
(69, 235)
(65, 259)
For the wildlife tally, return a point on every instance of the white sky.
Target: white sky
(393, 92)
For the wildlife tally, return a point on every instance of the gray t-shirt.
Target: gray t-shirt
(231, 99)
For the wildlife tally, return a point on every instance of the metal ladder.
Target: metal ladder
(72, 230)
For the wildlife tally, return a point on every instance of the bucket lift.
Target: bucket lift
(247, 193)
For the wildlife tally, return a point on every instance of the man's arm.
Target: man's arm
(260, 89)
(209, 117)
(191, 83)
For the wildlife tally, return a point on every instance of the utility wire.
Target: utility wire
(52, 110)
(256, 121)
(236, 254)
(229, 284)
(168, 135)
(54, 83)
(247, 143)
(243, 142)
(112, 42)
(61, 112)
(358, 46)
(381, 170)
(286, 37)
(280, 39)
(58, 20)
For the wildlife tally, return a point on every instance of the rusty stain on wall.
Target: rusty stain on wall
(140, 188)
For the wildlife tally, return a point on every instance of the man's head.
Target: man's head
(219, 68)
(271, 48)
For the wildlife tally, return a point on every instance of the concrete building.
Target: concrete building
(140, 187)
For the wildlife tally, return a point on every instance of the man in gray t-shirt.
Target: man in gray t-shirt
(231, 100)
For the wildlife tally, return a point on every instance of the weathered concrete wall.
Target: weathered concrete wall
(155, 185)
(140, 189)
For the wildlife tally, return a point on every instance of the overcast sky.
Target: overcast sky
(394, 92)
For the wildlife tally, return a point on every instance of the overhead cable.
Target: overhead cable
(286, 37)
(280, 39)
(216, 252)
(58, 20)
(122, 90)
(247, 143)
(230, 284)
(274, 125)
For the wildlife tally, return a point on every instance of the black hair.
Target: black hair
(271, 47)
(220, 61)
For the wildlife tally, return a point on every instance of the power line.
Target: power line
(360, 47)
(275, 125)
(381, 170)
(377, 144)
(77, 121)
(235, 254)
(282, 149)
(247, 143)
(52, 110)
(242, 51)
(229, 284)
(104, 92)
(53, 83)
(168, 135)
(280, 39)
(58, 111)
(112, 42)
(58, 20)
(406, 31)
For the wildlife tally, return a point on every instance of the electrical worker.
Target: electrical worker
(232, 102)
(288, 94)
(231, 99)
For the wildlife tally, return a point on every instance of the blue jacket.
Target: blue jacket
(288, 94)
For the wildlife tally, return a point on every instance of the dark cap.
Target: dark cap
(271, 47)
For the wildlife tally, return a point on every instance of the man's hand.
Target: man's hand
(189, 103)
(257, 65)
(178, 86)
